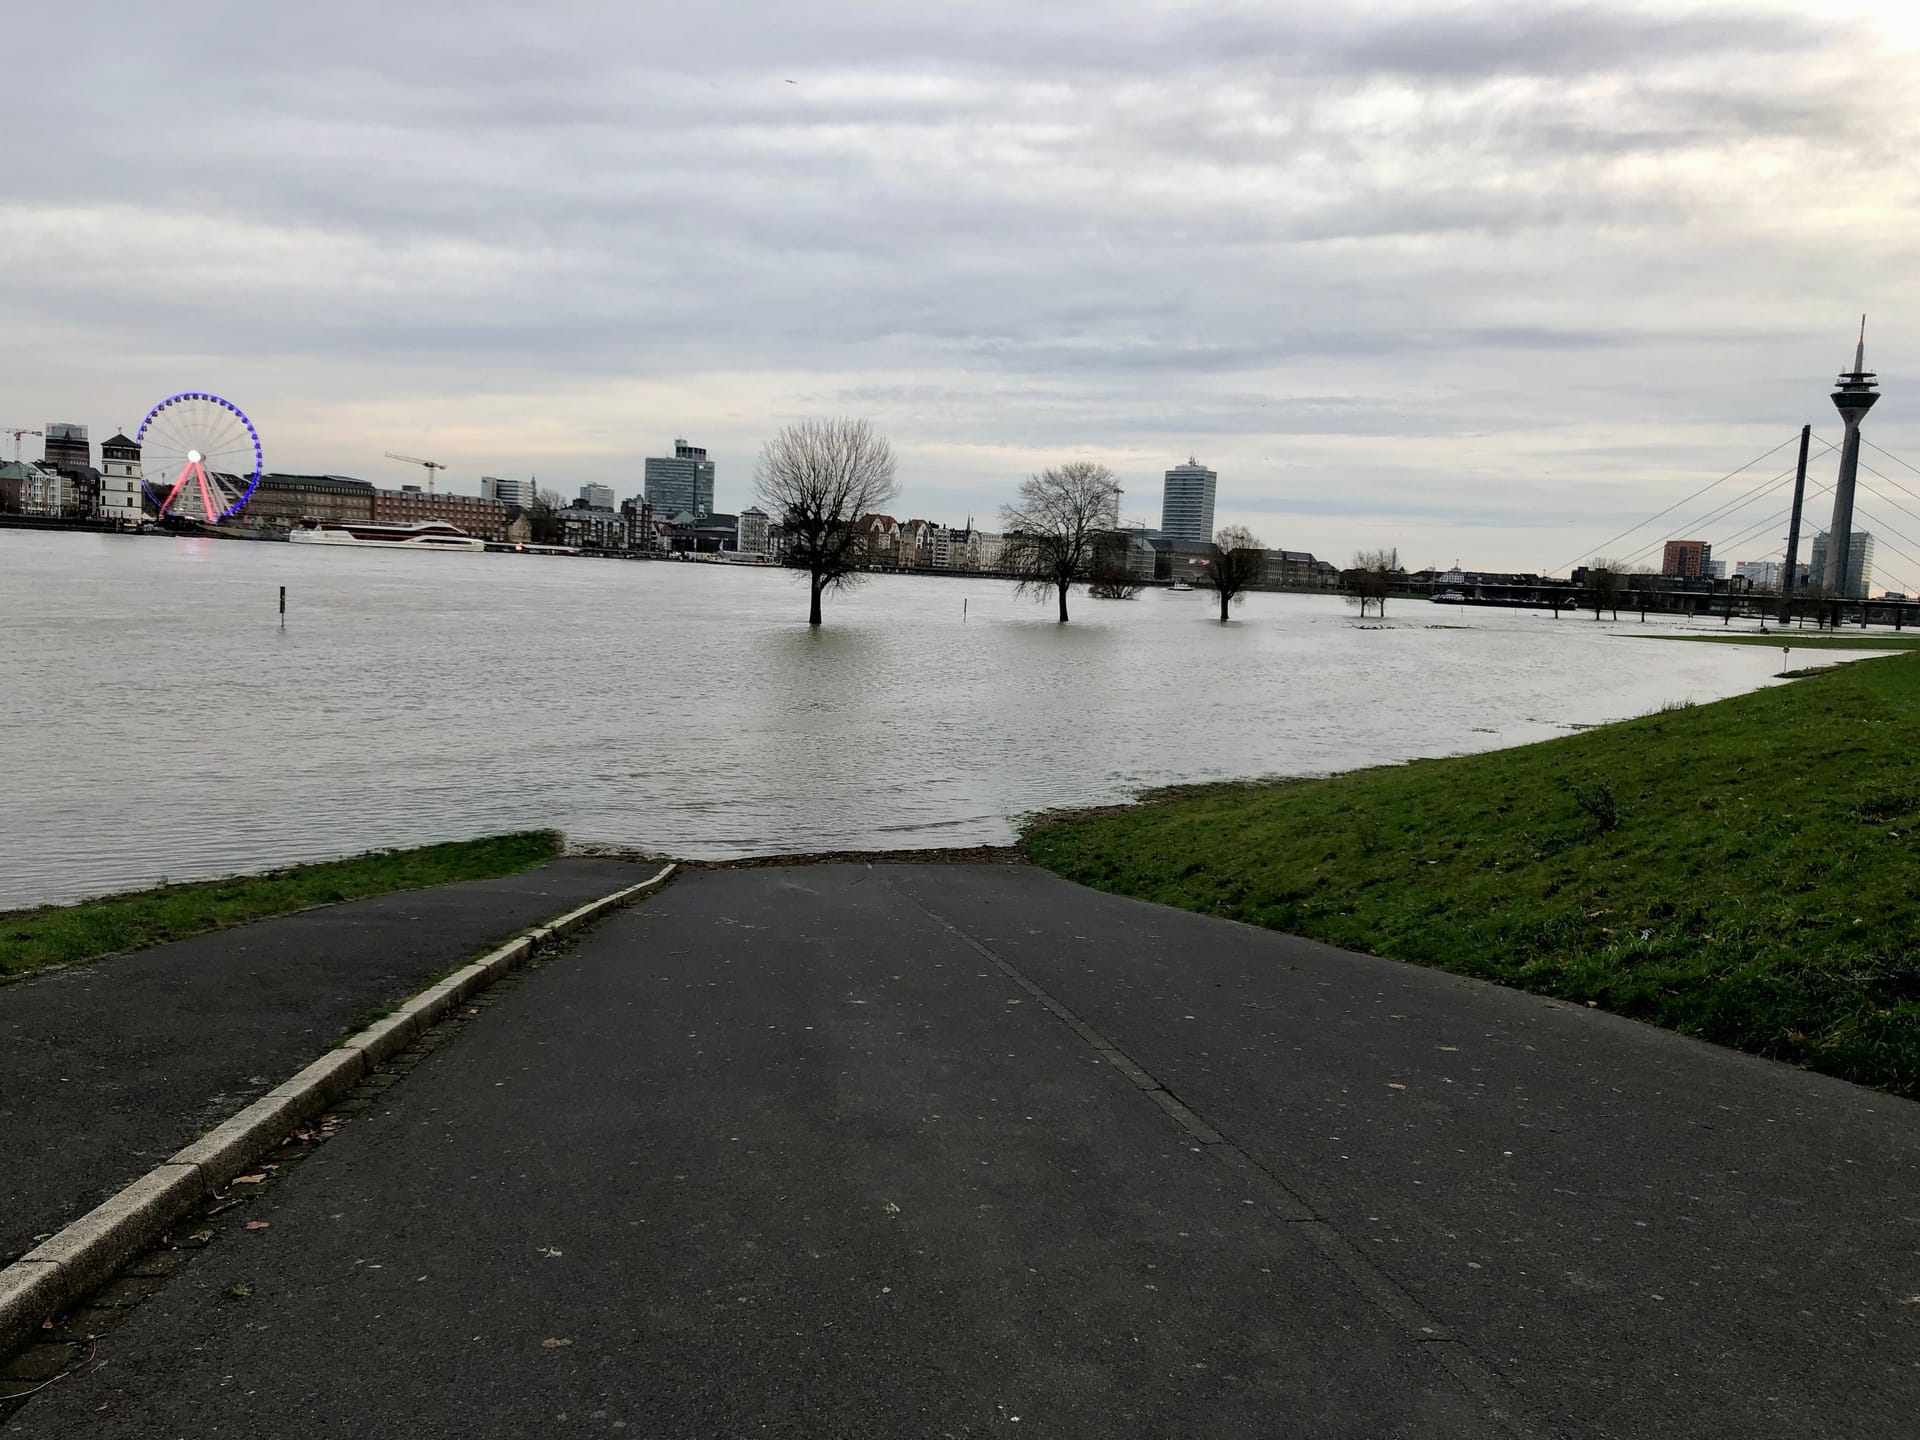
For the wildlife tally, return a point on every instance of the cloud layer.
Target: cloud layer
(1475, 281)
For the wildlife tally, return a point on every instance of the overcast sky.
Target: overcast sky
(1489, 282)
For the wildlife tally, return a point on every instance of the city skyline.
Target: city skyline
(1321, 253)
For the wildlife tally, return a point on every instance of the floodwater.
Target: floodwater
(158, 721)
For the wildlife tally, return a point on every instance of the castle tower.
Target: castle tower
(120, 486)
(1853, 399)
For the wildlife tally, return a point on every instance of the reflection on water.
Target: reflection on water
(159, 722)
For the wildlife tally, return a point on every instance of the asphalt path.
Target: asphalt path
(956, 1150)
(106, 1069)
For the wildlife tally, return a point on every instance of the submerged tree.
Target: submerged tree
(1234, 562)
(1370, 581)
(1606, 581)
(1111, 575)
(543, 518)
(1051, 529)
(819, 477)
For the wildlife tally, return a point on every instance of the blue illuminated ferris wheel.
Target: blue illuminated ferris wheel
(200, 456)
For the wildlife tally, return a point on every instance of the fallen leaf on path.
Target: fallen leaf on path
(250, 1179)
(201, 1235)
(555, 1344)
(259, 1224)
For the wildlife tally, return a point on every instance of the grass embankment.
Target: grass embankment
(64, 934)
(1804, 640)
(1742, 871)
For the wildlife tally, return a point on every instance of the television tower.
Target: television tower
(1853, 399)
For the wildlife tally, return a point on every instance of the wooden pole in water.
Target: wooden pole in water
(283, 607)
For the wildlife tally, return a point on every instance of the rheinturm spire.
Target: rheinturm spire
(1853, 399)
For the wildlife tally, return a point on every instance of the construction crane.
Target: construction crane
(431, 466)
(16, 438)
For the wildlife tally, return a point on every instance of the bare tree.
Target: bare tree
(1052, 527)
(543, 518)
(1370, 581)
(1606, 580)
(818, 477)
(1234, 562)
(1111, 575)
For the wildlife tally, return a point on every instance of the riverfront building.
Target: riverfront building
(120, 492)
(1186, 505)
(281, 501)
(682, 484)
(1859, 563)
(472, 513)
(31, 488)
(67, 446)
(752, 534)
(1687, 559)
(508, 492)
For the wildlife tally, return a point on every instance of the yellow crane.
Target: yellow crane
(431, 466)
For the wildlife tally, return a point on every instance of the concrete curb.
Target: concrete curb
(63, 1270)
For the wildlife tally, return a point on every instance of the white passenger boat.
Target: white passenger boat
(420, 535)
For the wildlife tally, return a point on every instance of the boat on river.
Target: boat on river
(419, 535)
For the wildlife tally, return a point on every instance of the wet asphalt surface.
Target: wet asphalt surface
(963, 1149)
(106, 1069)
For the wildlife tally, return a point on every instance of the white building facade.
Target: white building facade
(751, 531)
(1186, 505)
(508, 492)
(120, 491)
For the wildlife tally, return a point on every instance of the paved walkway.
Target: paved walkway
(107, 1069)
(959, 1150)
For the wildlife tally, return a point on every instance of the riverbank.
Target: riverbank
(1796, 640)
(51, 935)
(1739, 871)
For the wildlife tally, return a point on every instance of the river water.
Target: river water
(158, 721)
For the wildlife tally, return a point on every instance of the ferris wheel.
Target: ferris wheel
(200, 456)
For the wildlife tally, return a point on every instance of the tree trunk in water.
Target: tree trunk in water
(1225, 600)
(813, 616)
(1063, 604)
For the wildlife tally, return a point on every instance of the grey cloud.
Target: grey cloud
(1126, 227)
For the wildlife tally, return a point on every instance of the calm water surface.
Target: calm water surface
(158, 722)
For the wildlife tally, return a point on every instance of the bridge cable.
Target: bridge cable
(1678, 503)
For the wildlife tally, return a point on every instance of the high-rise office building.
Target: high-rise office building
(1687, 559)
(682, 485)
(1186, 506)
(67, 446)
(508, 492)
(598, 496)
(1859, 563)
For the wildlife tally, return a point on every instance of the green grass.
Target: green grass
(66, 934)
(1743, 871)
